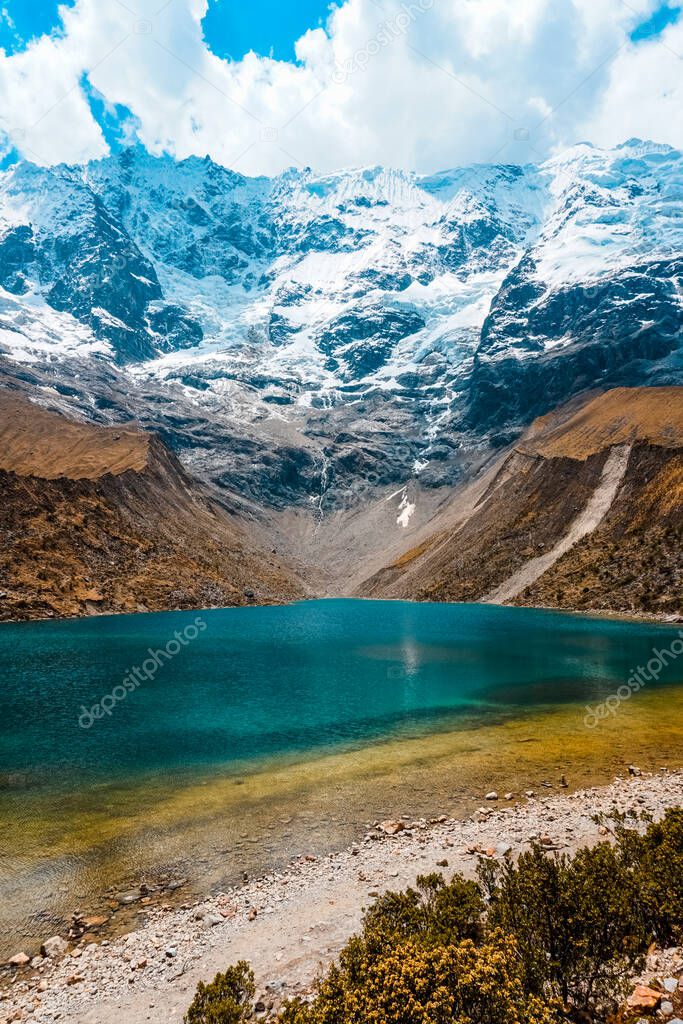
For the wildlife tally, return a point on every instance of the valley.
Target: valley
(348, 384)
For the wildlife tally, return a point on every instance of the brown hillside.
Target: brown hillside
(624, 415)
(35, 442)
(107, 520)
(631, 560)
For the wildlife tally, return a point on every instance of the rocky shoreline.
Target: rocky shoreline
(290, 924)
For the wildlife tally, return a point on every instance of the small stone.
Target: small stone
(95, 922)
(670, 984)
(666, 1007)
(563, 781)
(19, 960)
(508, 796)
(251, 916)
(390, 828)
(632, 770)
(442, 863)
(644, 998)
(171, 952)
(74, 979)
(530, 793)
(492, 795)
(211, 920)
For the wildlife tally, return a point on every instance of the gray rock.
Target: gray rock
(56, 946)
(666, 1007)
(670, 984)
(492, 795)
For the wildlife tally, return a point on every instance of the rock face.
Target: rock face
(304, 340)
(98, 519)
(613, 463)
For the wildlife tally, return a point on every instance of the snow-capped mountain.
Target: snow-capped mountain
(298, 337)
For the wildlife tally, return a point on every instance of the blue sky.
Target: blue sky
(418, 84)
(666, 14)
(231, 27)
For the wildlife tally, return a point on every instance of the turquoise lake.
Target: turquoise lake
(255, 683)
(260, 733)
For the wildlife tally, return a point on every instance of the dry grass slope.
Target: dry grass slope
(99, 520)
(631, 562)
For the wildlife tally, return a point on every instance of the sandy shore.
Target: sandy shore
(292, 923)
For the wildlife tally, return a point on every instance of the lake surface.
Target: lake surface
(131, 741)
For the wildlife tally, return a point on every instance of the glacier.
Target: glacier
(304, 338)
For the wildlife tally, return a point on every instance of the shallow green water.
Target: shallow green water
(261, 707)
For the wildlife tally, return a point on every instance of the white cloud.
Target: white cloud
(415, 83)
(644, 93)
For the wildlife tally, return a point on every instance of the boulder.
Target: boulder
(492, 795)
(95, 921)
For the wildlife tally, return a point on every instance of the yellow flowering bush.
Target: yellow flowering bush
(409, 983)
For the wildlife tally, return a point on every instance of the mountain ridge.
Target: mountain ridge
(330, 330)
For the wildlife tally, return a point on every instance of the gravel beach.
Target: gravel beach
(291, 924)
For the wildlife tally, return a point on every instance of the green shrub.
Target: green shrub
(435, 912)
(577, 923)
(656, 860)
(226, 1000)
(548, 937)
